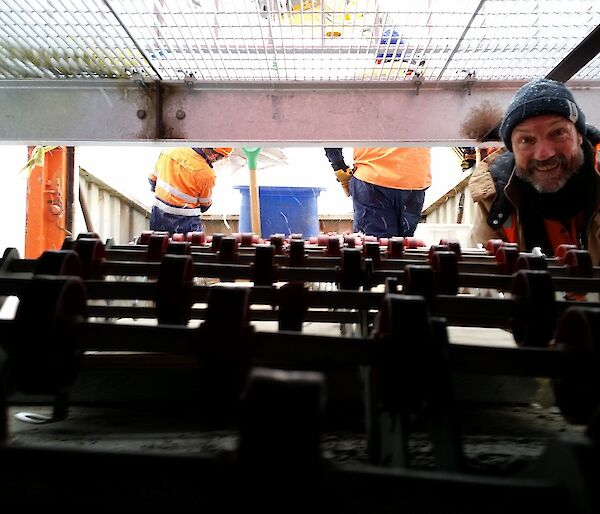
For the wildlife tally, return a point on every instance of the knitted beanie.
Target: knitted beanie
(540, 96)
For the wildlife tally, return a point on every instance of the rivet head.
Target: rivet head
(495, 222)
(141, 114)
(180, 115)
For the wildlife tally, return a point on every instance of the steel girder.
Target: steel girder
(105, 111)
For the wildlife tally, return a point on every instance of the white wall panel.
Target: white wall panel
(113, 214)
(14, 191)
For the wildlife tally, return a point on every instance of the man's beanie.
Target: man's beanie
(540, 96)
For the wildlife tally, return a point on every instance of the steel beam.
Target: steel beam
(405, 113)
(73, 112)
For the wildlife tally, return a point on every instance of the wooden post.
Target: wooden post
(254, 203)
(252, 156)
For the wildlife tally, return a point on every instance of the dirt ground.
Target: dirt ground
(504, 424)
(496, 439)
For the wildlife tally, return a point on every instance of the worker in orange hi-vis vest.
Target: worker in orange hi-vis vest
(542, 189)
(182, 181)
(387, 186)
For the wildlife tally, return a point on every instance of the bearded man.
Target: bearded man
(542, 189)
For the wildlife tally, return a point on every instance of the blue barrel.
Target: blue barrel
(283, 210)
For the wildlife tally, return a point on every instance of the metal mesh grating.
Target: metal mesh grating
(292, 40)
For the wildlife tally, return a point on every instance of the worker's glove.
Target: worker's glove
(344, 177)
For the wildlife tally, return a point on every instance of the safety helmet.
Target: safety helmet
(224, 151)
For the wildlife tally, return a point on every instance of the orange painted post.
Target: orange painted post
(46, 193)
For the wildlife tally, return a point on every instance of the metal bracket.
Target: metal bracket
(469, 81)
(190, 81)
(139, 80)
(418, 82)
(158, 107)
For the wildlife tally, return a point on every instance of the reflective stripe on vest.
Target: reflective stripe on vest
(179, 194)
(177, 211)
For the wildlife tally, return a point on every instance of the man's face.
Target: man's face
(547, 151)
(213, 156)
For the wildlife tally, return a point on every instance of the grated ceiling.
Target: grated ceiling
(292, 40)
(73, 60)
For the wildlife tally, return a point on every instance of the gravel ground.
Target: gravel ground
(496, 439)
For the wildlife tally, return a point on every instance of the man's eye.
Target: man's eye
(525, 141)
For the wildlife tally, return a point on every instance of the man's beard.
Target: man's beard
(555, 172)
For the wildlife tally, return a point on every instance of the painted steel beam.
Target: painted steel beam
(47, 203)
(403, 113)
(72, 112)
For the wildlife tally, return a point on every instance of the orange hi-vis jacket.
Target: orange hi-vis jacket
(184, 182)
(558, 234)
(509, 227)
(397, 168)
